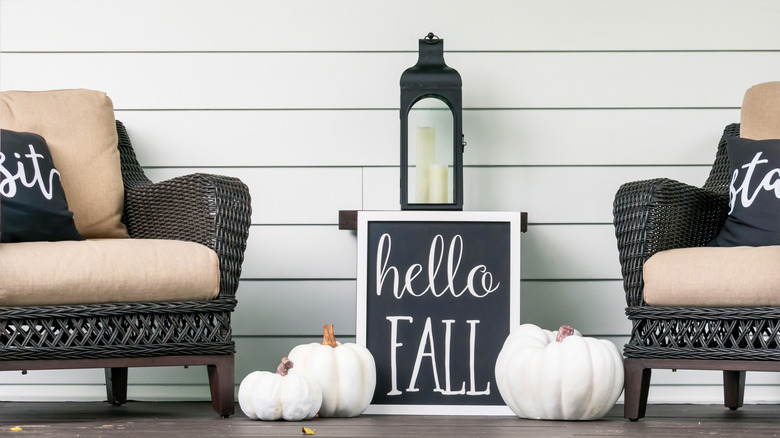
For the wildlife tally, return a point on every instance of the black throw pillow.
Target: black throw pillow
(32, 201)
(754, 194)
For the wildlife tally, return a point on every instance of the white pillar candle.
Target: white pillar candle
(426, 139)
(438, 179)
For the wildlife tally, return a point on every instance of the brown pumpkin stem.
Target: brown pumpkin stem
(564, 332)
(284, 367)
(328, 338)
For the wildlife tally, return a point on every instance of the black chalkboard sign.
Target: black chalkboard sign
(437, 295)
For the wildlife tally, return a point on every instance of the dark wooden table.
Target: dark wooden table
(196, 419)
(348, 220)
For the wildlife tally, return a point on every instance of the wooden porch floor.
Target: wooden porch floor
(196, 419)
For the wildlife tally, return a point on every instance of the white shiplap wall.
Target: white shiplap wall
(564, 101)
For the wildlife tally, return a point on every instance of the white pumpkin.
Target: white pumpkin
(346, 373)
(558, 375)
(285, 394)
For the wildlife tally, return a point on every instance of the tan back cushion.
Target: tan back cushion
(718, 277)
(79, 127)
(760, 117)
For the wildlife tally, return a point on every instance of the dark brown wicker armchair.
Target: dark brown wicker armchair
(208, 209)
(661, 214)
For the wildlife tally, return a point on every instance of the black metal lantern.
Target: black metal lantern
(431, 132)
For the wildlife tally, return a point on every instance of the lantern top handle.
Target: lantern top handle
(430, 71)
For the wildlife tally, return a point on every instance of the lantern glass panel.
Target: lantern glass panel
(431, 152)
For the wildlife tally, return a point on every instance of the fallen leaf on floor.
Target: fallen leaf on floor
(307, 431)
(16, 429)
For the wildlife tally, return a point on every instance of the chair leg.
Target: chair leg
(733, 389)
(221, 381)
(637, 386)
(116, 385)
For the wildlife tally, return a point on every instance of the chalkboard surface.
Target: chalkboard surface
(437, 295)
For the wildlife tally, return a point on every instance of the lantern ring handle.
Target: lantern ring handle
(431, 36)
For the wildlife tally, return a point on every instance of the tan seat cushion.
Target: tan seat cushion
(717, 277)
(79, 127)
(760, 116)
(106, 270)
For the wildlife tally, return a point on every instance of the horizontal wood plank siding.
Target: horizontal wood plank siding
(563, 102)
(351, 25)
(359, 80)
(369, 137)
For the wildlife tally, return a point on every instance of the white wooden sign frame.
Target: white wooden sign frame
(363, 221)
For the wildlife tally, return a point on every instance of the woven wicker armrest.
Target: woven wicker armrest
(660, 214)
(209, 209)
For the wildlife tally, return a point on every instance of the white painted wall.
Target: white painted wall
(564, 101)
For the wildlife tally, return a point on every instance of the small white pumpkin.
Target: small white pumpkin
(558, 375)
(285, 394)
(346, 373)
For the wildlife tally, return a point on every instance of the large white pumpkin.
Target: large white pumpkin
(346, 373)
(558, 375)
(285, 394)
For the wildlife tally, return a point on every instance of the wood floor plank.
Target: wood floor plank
(191, 419)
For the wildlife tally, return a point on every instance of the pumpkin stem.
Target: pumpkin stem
(563, 333)
(284, 367)
(328, 338)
